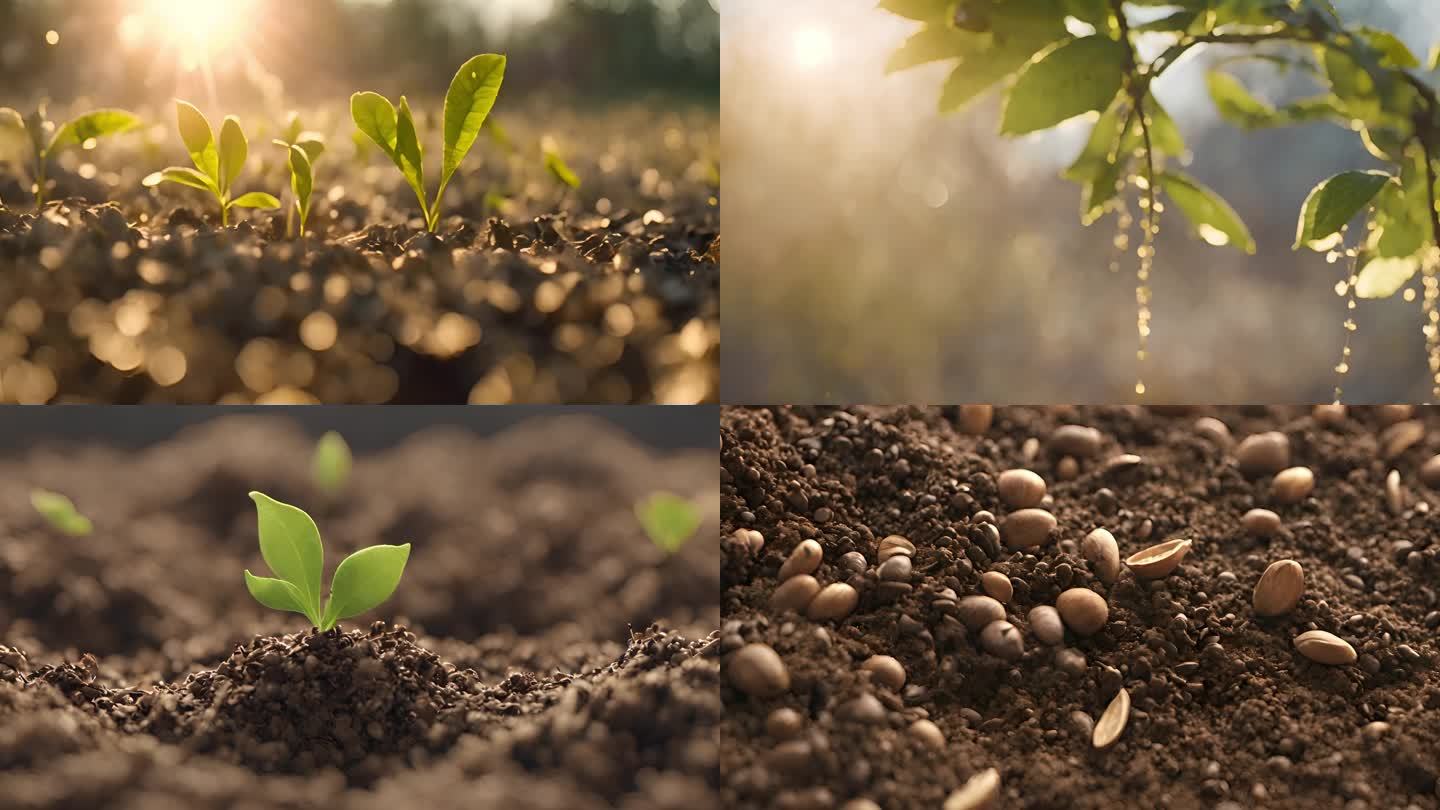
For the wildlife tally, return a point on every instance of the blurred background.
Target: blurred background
(882, 253)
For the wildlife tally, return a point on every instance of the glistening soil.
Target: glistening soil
(1226, 711)
(540, 651)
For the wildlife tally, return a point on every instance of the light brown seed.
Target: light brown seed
(1279, 588)
(1027, 527)
(1325, 648)
(1030, 449)
(1020, 489)
(1430, 472)
(928, 733)
(1263, 454)
(1390, 414)
(1400, 437)
(1292, 485)
(1329, 415)
(1261, 522)
(1394, 494)
(885, 671)
(758, 671)
(1214, 431)
(978, 611)
(1103, 554)
(979, 792)
(795, 593)
(784, 723)
(1045, 623)
(1075, 440)
(803, 560)
(1158, 561)
(1070, 661)
(749, 538)
(1002, 640)
(835, 601)
(1067, 469)
(997, 586)
(895, 544)
(1083, 610)
(976, 419)
(1112, 723)
(1116, 464)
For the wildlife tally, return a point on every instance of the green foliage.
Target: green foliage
(1381, 277)
(302, 150)
(290, 544)
(78, 132)
(217, 166)
(1075, 77)
(1333, 203)
(1214, 219)
(668, 519)
(330, 466)
(560, 170)
(468, 103)
(61, 513)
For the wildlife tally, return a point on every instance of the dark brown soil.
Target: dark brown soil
(540, 652)
(1226, 713)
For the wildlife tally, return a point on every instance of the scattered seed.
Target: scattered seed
(1103, 554)
(863, 709)
(835, 601)
(1292, 485)
(1030, 449)
(1279, 588)
(997, 586)
(976, 419)
(1045, 623)
(1075, 440)
(1116, 464)
(1020, 489)
(1214, 431)
(1400, 437)
(1083, 610)
(803, 560)
(1027, 527)
(885, 671)
(1263, 454)
(784, 724)
(1070, 661)
(1325, 648)
(895, 569)
(1160, 560)
(751, 539)
(1002, 640)
(1112, 722)
(1067, 469)
(1390, 414)
(1328, 415)
(895, 544)
(928, 733)
(758, 671)
(1261, 522)
(979, 792)
(978, 611)
(1394, 495)
(860, 804)
(795, 594)
(1430, 472)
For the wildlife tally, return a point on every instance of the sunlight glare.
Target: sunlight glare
(813, 48)
(197, 31)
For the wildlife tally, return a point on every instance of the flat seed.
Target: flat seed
(1112, 723)
(835, 601)
(1292, 485)
(1075, 440)
(1103, 554)
(1214, 431)
(1027, 527)
(976, 419)
(1045, 623)
(997, 586)
(1160, 560)
(1328, 415)
(1083, 610)
(1394, 495)
(1124, 461)
(795, 594)
(978, 611)
(758, 671)
(979, 792)
(885, 671)
(1261, 522)
(1279, 588)
(1020, 489)
(1400, 437)
(1263, 454)
(1325, 648)
(1002, 640)
(803, 560)
(895, 544)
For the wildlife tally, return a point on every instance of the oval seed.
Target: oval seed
(1292, 485)
(976, 419)
(1103, 553)
(1158, 561)
(980, 791)
(1067, 469)
(1045, 623)
(795, 593)
(1430, 472)
(784, 724)
(1075, 440)
(1390, 414)
(885, 671)
(1325, 648)
(1328, 415)
(997, 586)
(978, 611)
(1279, 588)
(1263, 454)
(758, 671)
(1027, 527)
(1002, 640)
(1112, 723)
(928, 733)
(805, 559)
(1261, 522)
(1214, 431)
(835, 601)
(1020, 489)
(1400, 437)
(1083, 610)
(895, 544)
(1394, 495)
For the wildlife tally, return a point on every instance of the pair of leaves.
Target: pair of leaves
(60, 512)
(92, 125)
(468, 103)
(303, 149)
(668, 519)
(217, 165)
(290, 544)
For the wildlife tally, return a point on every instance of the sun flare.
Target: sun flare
(197, 31)
(813, 48)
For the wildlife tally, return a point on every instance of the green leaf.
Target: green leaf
(1237, 106)
(302, 183)
(1073, 78)
(374, 115)
(1164, 132)
(95, 124)
(330, 466)
(199, 140)
(313, 146)
(933, 43)
(290, 544)
(921, 10)
(409, 156)
(363, 581)
(11, 119)
(1402, 222)
(562, 172)
(61, 513)
(1214, 219)
(1017, 32)
(255, 199)
(189, 177)
(669, 520)
(1382, 278)
(1100, 164)
(472, 96)
(234, 149)
(276, 594)
(1394, 53)
(1334, 202)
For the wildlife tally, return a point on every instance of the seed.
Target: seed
(1430, 472)
(803, 560)
(1292, 485)
(1027, 527)
(1279, 588)
(1261, 522)
(895, 569)
(928, 733)
(1045, 623)
(1070, 661)
(1328, 415)
(1400, 437)
(1020, 489)
(885, 671)
(1112, 722)
(1083, 610)
(835, 601)
(997, 585)
(784, 724)
(1325, 648)
(1390, 414)
(895, 544)
(795, 594)
(979, 792)
(1214, 431)
(1158, 561)
(979, 611)
(1030, 449)
(1067, 469)
(976, 419)
(1124, 461)
(757, 670)
(1263, 454)
(1002, 640)
(751, 539)
(1075, 440)
(1394, 495)
(1101, 551)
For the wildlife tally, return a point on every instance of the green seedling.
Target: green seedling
(468, 103)
(560, 170)
(330, 466)
(216, 167)
(61, 513)
(303, 149)
(290, 544)
(670, 520)
(79, 132)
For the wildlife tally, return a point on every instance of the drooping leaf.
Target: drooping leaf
(374, 115)
(1017, 32)
(1382, 278)
(1402, 223)
(668, 519)
(1100, 164)
(199, 140)
(11, 119)
(302, 183)
(255, 199)
(921, 10)
(313, 144)
(95, 124)
(408, 154)
(1237, 106)
(61, 513)
(1334, 202)
(276, 594)
(234, 149)
(1213, 218)
(363, 581)
(1076, 77)
(330, 466)
(933, 43)
(472, 96)
(1395, 53)
(1164, 132)
(290, 544)
(560, 170)
(189, 177)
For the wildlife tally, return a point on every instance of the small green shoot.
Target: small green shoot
(472, 96)
(560, 170)
(216, 167)
(330, 466)
(670, 520)
(61, 513)
(80, 132)
(290, 544)
(303, 149)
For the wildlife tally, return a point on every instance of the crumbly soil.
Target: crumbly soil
(542, 653)
(605, 294)
(1226, 713)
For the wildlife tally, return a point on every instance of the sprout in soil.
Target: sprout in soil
(216, 168)
(670, 520)
(468, 103)
(303, 149)
(290, 544)
(330, 466)
(82, 132)
(61, 513)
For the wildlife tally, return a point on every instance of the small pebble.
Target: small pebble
(1261, 522)
(758, 671)
(885, 671)
(997, 586)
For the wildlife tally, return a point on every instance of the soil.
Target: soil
(539, 653)
(1225, 712)
(529, 292)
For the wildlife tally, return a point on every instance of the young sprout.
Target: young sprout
(61, 513)
(216, 168)
(669, 519)
(291, 546)
(559, 169)
(303, 149)
(468, 103)
(330, 466)
(79, 132)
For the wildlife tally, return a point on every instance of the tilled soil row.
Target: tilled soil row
(948, 635)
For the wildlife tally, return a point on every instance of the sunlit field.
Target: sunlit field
(887, 253)
(571, 255)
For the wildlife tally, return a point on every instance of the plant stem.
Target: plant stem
(224, 215)
(40, 181)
